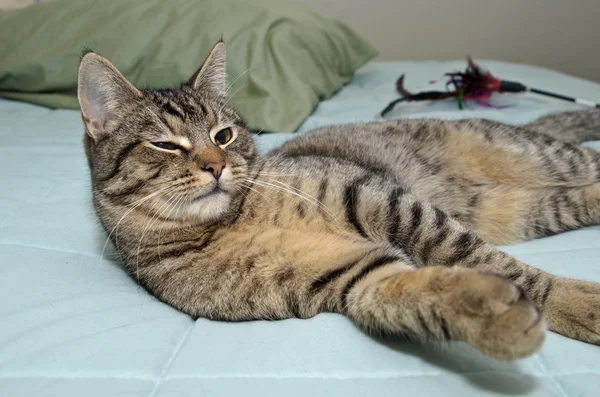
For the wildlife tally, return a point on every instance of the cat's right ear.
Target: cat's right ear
(102, 91)
(212, 75)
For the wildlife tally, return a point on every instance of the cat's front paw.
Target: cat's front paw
(494, 316)
(573, 309)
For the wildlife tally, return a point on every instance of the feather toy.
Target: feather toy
(474, 84)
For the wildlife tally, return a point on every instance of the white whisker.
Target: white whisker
(177, 206)
(259, 132)
(156, 216)
(243, 73)
(231, 96)
(280, 188)
(259, 193)
(136, 204)
(298, 193)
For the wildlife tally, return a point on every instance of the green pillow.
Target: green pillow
(282, 58)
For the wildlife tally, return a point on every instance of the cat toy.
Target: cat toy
(474, 84)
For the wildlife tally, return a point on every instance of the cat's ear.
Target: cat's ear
(212, 76)
(102, 91)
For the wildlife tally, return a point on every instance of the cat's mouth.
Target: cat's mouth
(205, 206)
(217, 190)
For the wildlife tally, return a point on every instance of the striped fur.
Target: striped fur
(391, 224)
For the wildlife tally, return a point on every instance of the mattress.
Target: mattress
(72, 323)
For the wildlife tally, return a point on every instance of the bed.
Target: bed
(72, 323)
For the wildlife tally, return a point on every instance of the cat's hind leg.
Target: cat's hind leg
(507, 214)
(517, 186)
(487, 152)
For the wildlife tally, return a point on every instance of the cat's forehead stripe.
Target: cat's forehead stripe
(174, 110)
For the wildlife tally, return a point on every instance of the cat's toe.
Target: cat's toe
(516, 333)
(499, 320)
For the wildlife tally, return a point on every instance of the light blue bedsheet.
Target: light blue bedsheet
(73, 324)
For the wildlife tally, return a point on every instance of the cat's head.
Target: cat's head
(182, 151)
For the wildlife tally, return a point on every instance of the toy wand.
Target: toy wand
(474, 84)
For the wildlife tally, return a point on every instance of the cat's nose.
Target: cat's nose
(215, 167)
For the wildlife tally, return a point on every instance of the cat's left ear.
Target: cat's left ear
(212, 76)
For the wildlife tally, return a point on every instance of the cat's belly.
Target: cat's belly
(447, 164)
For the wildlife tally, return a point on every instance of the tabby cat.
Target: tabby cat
(389, 223)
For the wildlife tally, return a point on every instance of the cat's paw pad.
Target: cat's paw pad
(573, 309)
(495, 317)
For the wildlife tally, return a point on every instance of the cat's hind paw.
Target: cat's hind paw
(573, 309)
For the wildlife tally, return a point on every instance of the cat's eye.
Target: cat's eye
(223, 136)
(166, 145)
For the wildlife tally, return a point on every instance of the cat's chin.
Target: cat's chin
(206, 209)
